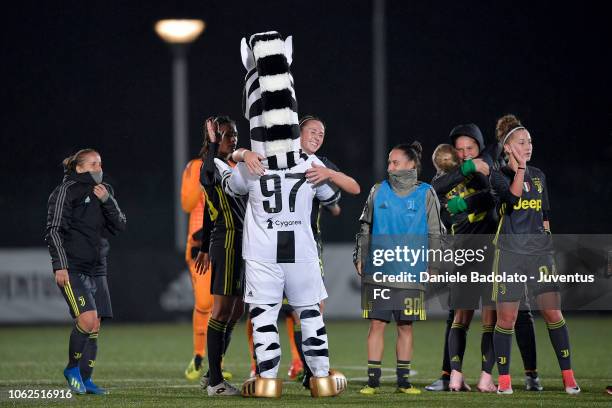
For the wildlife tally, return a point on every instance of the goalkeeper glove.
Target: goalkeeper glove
(468, 167)
(456, 205)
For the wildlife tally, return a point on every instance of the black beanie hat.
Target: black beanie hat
(470, 130)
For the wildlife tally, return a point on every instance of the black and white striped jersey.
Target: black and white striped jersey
(277, 220)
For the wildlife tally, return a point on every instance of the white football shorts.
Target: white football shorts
(301, 282)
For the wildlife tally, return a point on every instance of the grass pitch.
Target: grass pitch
(142, 365)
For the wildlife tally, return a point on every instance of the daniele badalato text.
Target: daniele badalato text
(459, 257)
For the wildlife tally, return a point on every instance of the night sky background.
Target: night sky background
(94, 74)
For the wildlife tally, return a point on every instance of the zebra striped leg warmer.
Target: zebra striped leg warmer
(314, 339)
(265, 338)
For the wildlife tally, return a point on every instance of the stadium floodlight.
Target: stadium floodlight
(182, 31)
(179, 34)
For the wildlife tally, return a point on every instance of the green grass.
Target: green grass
(142, 365)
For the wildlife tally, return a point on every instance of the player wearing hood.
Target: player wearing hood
(472, 208)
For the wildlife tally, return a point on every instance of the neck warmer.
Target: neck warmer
(402, 181)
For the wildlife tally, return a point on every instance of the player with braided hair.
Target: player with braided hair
(221, 247)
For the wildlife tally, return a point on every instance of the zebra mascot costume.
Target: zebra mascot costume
(269, 100)
(270, 106)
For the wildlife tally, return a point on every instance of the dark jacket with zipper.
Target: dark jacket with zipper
(480, 216)
(76, 220)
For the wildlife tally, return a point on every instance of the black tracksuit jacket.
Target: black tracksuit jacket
(76, 220)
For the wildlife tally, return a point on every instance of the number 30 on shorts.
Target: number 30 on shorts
(413, 306)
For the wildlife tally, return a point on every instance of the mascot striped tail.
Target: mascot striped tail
(269, 100)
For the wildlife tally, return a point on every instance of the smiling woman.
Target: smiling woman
(312, 133)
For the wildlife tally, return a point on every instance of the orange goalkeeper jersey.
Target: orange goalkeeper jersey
(193, 200)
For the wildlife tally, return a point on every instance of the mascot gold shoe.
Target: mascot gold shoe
(262, 387)
(334, 384)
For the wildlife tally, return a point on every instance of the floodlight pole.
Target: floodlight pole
(180, 140)
(379, 91)
(179, 33)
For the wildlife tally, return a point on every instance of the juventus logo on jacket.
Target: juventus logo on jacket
(269, 100)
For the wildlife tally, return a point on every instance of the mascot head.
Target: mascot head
(269, 101)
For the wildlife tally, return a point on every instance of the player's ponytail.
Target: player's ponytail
(71, 162)
(418, 149)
